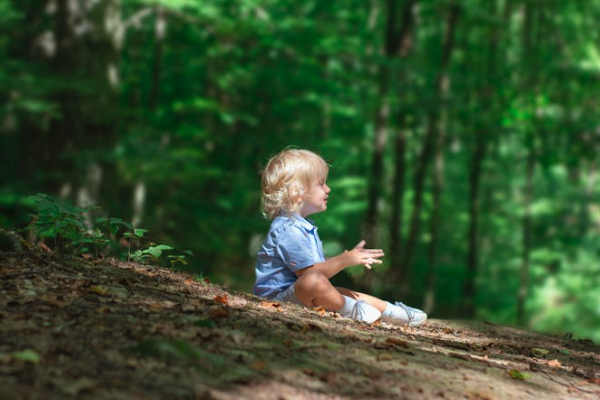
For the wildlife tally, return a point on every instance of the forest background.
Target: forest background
(463, 136)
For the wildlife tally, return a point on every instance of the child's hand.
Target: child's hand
(359, 255)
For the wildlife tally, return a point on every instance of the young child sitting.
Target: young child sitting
(291, 265)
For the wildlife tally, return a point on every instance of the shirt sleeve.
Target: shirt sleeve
(295, 249)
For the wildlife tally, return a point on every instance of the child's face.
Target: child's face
(315, 199)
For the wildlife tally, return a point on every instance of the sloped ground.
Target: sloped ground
(103, 329)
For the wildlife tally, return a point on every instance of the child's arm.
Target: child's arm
(358, 255)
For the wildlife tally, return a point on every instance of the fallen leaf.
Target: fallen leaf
(320, 310)
(259, 365)
(217, 313)
(554, 364)
(74, 388)
(206, 323)
(539, 353)
(221, 299)
(310, 327)
(518, 375)
(270, 304)
(397, 342)
(594, 380)
(54, 301)
(44, 247)
(27, 355)
(116, 291)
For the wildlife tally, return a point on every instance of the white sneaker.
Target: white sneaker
(363, 312)
(401, 314)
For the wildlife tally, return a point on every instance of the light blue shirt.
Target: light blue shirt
(291, 245)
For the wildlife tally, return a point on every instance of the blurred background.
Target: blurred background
(463, 136)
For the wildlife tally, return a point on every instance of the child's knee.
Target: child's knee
(314, 282)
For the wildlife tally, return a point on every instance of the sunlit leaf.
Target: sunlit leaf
(27, 355)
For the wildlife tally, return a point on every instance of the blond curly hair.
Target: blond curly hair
(285, 179)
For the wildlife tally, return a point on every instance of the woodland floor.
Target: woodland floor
(105, 329)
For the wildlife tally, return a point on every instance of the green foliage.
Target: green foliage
(61, 223)
(66, 226)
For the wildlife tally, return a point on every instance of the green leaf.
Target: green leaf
(140, 232)
(539, 353)
(518, 375)
(207, 323)
(156, 251)
(27, 355)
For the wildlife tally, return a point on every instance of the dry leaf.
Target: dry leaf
(54, 301)
(218, 313)
(44, 247)
(270, 304)
(320, 310)
(554, 364)
(397, 342)
(310, 327)
(259, 365)
(99, 290)
(594, 380)
(221, 299)
(74, 388)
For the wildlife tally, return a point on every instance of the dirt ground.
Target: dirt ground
(105, 329)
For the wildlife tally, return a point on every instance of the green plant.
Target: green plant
(61, 223)
(71, 230)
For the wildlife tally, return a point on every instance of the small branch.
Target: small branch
(137, 17)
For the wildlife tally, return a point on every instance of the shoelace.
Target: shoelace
(357, 312)
(409, 311)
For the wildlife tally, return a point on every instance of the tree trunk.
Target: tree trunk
(381, 120)
(526, 227)
(395, 36)
(530, 23)
(481, 139)
(428, 149)
(469, 291)
(398, 180)
(438, 183)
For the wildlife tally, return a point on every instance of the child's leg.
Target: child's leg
(371, 300)
(314, 289)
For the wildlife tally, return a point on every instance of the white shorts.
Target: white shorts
(288, 295)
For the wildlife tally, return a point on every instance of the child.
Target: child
(291, 265)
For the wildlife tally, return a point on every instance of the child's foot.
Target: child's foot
(360, 311)
(401, 314)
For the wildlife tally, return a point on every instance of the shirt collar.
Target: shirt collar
(307, 224)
